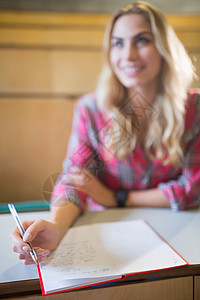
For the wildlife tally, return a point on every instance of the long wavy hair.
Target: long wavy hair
(161, 137)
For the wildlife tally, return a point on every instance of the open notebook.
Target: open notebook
(104, 252)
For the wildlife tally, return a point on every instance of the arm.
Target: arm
(91, 186)
(80, 152)
(66, 203)
(62, 216)
(184, 192)
(148, 198)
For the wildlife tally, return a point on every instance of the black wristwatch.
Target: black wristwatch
(121, 196)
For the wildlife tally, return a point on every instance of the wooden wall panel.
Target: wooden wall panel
(33, 142)
(53, 19)
(51, 72)
(83, 37)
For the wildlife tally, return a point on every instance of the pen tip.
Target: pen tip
(36, 261)
(34, 257)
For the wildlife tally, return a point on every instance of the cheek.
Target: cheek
(113, 58)
(157, 63)
(153, 56)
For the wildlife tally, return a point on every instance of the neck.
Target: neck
(142, 101)
(148, 94)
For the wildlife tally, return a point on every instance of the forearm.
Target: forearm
(147, 198)
(143, 198)
(104, 196)
(63, 214)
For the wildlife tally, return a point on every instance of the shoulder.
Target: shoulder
(192, 107)
(88, 102)
(87, 108)
(192, 113)
(192, 97)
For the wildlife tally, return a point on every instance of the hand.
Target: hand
(42, 235)
(84, 181)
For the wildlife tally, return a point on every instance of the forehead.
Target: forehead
(130, 24)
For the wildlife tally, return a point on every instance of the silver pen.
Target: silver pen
(22, 231)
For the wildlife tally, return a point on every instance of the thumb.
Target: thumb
(32, 231)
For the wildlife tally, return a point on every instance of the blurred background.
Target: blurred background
(51, 54)
(98, 6)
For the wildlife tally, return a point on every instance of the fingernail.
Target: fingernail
(45, 254)
(27, 237)
(26, 248)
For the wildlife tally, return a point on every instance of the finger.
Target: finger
(39, 251)
(28, 262)
(27, 256)
(85, 173)
(33, 230)
(24, 256)
(16, 238)
(42, 252)
(17, 241)
(26, 224)
(31, 262)
(38, 234)
(75, 169)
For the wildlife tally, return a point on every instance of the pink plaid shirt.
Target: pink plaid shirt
(87, 148)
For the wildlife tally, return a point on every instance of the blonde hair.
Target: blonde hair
(162, 137)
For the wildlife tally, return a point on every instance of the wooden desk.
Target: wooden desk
(180, 230)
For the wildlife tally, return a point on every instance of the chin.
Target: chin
(131, 85)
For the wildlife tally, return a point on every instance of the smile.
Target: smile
(132, 70)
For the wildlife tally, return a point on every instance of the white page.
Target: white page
(106, 249)
(135, 247)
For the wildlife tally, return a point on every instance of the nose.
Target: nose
(130, 52)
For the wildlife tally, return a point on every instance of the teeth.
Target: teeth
(132, 69)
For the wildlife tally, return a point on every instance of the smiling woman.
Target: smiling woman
(136, 140)
(140, 37)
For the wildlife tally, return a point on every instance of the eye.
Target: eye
(117, 44)
(142, 41)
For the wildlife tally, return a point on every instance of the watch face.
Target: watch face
(121, 197)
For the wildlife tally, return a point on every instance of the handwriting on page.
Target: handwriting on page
(101, 252)
(83, 259)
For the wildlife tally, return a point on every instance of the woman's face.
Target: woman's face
(134, 58)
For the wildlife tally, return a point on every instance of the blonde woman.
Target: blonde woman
(136, 140)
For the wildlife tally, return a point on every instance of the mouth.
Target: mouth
(132, 71)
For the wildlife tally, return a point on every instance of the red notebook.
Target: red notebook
(104, 252)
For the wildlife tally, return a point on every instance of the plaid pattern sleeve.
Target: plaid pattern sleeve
(184, 192)
(81, 151)
(78, 152)
(88, 148)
